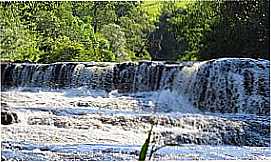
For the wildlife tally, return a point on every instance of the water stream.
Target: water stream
(217, 109)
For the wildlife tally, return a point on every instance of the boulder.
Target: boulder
(7, 116)
(3, 158)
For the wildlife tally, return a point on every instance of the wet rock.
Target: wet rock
(40, 121)
(7, 116)
(218, 131)
(3, 158)
(232, 86)
(123, 77)
(45, 149)
(82, 104)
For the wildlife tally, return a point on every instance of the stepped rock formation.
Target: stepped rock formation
(222, 85)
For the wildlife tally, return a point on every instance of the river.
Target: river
(212, 110)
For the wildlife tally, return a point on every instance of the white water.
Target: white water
(217, 109)
(82, 124)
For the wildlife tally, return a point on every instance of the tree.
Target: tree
(180, 31)
(242, 30)
(17, 42)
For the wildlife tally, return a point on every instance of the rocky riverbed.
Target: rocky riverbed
(78, 124)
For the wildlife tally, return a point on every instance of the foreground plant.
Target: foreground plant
(155, 148)
(145, 146)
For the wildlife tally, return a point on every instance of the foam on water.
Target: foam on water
(61, 118)
(130, 152)
(101, 111)
(171, 101)
(84, 91)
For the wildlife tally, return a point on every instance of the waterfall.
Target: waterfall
(233, 85)
(222, 85)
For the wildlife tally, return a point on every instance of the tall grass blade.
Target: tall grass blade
(145, 146)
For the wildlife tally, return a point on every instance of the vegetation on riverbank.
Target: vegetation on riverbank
(119, 31)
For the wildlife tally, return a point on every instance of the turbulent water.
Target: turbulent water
(218, 109)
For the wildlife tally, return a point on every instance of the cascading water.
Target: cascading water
(224, 85)
(233, 85)
(90, 108)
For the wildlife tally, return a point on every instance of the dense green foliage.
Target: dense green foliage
(212, 29)
(119, 31)
(73, 31)
(241, 29)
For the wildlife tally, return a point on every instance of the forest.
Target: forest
(46, 32)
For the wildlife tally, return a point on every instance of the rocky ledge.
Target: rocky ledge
(7, 115)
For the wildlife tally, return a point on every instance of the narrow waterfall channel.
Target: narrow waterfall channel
(217, 109)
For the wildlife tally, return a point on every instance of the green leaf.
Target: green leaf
(145, 146)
